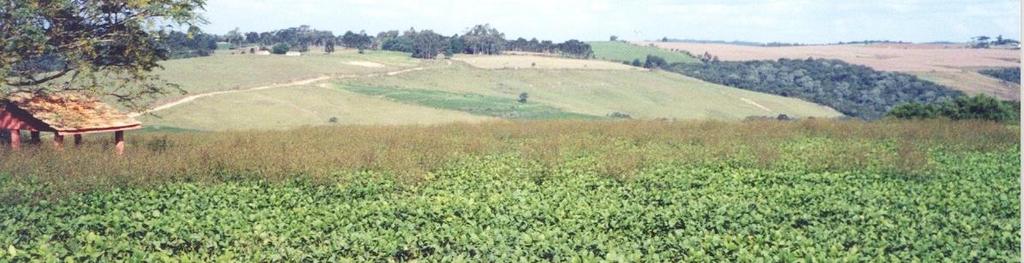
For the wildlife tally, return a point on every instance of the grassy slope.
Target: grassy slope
(298, 106)
(224, 72)
(554, 93)
(641, 94)
(621, 51)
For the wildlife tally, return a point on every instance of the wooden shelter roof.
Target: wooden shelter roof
(66, 113)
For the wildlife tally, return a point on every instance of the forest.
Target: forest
(854, 90)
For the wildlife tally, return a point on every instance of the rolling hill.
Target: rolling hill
(465, 89)
(949, 65)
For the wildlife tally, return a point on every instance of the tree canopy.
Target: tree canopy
(88, 44)
(854, 90)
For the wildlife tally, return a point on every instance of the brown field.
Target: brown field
(949, 65)
(540, 62)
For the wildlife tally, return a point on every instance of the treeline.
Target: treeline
(854, 90)
(1005, 74)
(988, 42)
(195, 43)
(979, 107)
(480, 39)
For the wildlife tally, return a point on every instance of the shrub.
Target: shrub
(655, 62)
(619, 115)
(280, 49)
(523, 97)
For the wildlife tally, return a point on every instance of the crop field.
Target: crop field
(641, 94)
(540, 62)
(622, 51)
(953, 66)
(501, 107)
(818, 190)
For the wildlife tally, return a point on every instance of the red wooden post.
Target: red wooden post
(35, 137)
(58, 141)
(15, 139)
(78, 139)
(119, 142)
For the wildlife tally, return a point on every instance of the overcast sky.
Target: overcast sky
(803, 21)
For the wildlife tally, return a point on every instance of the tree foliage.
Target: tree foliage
(1005, 74)
(193, 43)
(93, 41)
(428, 45)
(979, 107)
(484, 39)
(854, 90)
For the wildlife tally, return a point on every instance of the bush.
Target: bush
(655, 62)
(280, 49)
(979, 107)
(619, 115)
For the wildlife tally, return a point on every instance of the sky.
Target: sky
(791, 21)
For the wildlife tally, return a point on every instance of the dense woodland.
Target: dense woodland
(854, 90)
(1004, 74)
(979, 107)
(480, 39)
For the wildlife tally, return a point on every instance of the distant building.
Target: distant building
(293, 54)
(263, 53)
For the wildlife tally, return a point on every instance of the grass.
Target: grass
(558, 190)
(641, 94)
(621, 51)
(226, 72)
(443, 93)
(293, 107)
(502, 107)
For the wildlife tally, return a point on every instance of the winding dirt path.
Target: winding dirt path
(194, 97)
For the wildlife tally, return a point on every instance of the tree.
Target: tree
(483, 39)
(252, 38)
(88, 41)
(329, 47)
(576, 49)
(428, 45)
(636, 62)
(613, 38)
(234, 37)
(523, 97)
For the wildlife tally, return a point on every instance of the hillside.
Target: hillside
(406, 91)
(952, 66)
(641, 94)
(622, 51)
